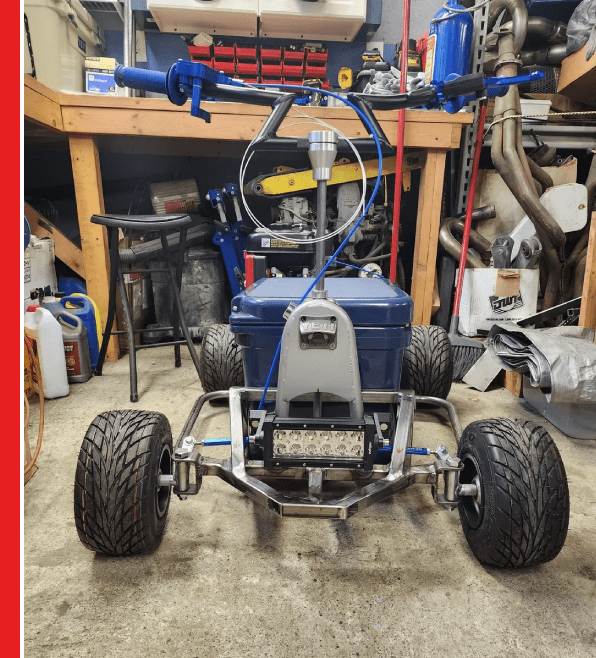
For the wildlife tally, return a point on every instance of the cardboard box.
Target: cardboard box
(578, 77)
(99, 75)
(493, 296)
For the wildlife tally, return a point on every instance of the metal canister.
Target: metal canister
(449, 46)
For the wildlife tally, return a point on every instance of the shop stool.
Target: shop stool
(162, 224)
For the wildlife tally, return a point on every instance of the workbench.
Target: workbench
(84, 118)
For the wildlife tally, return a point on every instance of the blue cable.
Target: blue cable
(361, 269)
(356, 225)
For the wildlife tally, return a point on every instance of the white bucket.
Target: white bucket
(38, 267)
(45, 333)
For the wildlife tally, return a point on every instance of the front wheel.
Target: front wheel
(520, 514)
(119, 506)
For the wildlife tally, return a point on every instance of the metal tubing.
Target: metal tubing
(127, 35)
(321, 226)
(538, 173)
(403, 436)
(518, 12)
(196, 410)
(128, 317)
(386, 480)
(454, 248)
(399, 153)
(551, 56)
(444, 404)
(552, 31)
(111, 303)
(511, 163)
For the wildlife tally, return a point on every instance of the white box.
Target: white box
(217, 17)
(531, 107)
(332, 20)
(493, 296)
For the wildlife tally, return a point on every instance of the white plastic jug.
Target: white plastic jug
(45, 333)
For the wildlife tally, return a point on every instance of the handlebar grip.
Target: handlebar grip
(128, 76)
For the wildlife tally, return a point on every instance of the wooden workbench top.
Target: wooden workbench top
(111, 115)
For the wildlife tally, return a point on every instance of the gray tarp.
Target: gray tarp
(561, 361)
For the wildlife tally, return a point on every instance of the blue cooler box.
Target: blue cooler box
(380, 312)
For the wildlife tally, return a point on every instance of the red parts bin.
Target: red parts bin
(224, 52)
(292, 70)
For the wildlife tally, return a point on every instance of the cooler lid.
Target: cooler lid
(368, 301)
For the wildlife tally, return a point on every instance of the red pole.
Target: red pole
(469, 209)
(399, 153)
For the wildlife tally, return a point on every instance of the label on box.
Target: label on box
(100, 83)
(105, 63)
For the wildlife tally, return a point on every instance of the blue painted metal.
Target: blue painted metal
(449, 50)
(183, 80)
(385, 451)
(229, 238)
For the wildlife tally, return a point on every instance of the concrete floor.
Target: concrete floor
(231, 579)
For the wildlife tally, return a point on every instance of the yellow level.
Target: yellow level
(298, 181)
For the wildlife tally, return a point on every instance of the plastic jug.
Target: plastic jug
(97, 316)
(82, 307)
(76, 347)
(46, 335)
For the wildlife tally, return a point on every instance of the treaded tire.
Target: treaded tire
(221, 360)
(427, 366)
(118, 507)
(521, 515)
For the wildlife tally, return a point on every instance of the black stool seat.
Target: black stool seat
(143, 222)
(159, 223)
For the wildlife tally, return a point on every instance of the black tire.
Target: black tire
(521, 514)
(427, 367)
(221, 360)
(119, 508)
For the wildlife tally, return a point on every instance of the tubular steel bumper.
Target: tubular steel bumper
(382, 482)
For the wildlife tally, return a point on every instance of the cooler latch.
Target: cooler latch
(318, 333)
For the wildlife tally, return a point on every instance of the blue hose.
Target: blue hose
(356, 225)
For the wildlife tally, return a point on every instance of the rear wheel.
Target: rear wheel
(428, 362)
(119, 507)
(221, 360)
(520, 514)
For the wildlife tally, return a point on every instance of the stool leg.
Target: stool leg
(114, 258)
(178, 303)
(132, 348)
(179, 268)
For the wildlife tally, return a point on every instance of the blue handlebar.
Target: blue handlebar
(155, 81)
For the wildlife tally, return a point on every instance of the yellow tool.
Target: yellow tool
(282, 184)
(345, 77)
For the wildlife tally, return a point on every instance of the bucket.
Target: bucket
(46, 335)
(76, 347)
(202, 293)
(38, 267)
(81, 306)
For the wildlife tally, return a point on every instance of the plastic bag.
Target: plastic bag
(582, 28)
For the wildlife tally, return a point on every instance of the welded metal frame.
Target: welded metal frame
(382, 482)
